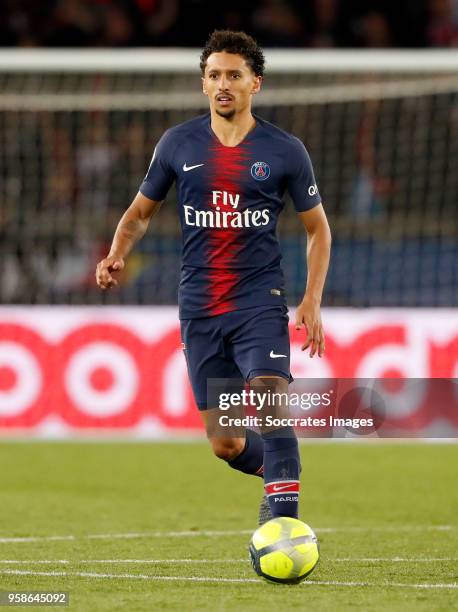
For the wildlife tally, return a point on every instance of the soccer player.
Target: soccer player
(231, 169)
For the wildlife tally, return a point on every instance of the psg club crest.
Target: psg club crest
(260, 171)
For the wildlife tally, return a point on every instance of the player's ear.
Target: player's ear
(203, 86)
(256, 84)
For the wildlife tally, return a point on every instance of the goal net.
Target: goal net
(77, 130)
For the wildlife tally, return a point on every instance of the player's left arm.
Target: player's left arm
(318, 253)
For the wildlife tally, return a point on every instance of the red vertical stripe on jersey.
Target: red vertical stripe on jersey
(224, 243)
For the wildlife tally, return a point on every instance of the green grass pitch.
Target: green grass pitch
(147, 526)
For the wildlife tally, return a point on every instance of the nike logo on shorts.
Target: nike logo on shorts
(275, 356)
(188, 168)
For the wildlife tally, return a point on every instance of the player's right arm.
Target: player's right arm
(135, 220)
(131, 228)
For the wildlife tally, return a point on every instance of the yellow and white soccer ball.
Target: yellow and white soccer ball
(284, 550)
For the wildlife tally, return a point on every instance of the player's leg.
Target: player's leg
(281, 451)
(206, 359)
(244, 453)
(261, 349)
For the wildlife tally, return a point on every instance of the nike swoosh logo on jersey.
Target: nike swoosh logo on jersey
(188, 168)
(284, 487)
(275, 356)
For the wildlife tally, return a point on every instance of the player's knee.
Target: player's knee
(272, 394)
(227, 449)
(271, 383)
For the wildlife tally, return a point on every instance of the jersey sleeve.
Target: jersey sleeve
(160, 175)
(301, 183)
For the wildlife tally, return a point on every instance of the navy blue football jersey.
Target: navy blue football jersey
(229, 199)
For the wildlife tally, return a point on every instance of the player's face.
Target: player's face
(229, 83)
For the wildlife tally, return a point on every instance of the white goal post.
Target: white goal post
(187, 60)
(379, 74)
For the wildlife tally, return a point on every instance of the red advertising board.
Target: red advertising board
(65, 370)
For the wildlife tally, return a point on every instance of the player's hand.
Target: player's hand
(105, 269)
(308, 315)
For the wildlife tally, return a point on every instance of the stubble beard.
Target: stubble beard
(229, 114)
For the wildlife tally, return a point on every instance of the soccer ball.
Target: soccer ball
(284, 550)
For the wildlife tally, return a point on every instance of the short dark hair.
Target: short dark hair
(238, 43)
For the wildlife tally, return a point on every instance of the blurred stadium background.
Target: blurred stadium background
(77, 130)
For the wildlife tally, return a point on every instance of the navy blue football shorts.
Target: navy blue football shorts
(241, 345)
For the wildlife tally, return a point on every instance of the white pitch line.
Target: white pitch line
(385, 528)
(167, 534)
(127, 576)
(116, 536)
(200, 561)
(452, 585)
(112, 561)
(207, 533)
(17, 539)
(154, 561)
(392, 559)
